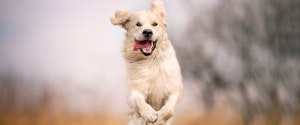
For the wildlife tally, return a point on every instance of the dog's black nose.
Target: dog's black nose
(147, 33)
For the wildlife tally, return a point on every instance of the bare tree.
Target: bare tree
(249, 49)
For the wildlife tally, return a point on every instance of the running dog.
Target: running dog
(153, 73)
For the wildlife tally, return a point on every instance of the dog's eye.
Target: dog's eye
(154, 24)
(138, 24)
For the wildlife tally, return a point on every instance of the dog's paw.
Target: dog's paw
(150, 115)
(164, 116)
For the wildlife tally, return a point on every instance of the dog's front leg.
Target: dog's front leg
(167, 111)
(137, 101)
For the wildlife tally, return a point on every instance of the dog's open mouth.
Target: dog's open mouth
(146, 46)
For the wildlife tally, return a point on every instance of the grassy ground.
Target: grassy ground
(217, 117)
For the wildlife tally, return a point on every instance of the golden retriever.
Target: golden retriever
(153, 72)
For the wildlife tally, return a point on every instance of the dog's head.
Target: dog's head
(144, 28)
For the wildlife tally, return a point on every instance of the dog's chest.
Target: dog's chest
(157, 95)
(160, 85)
(156, 79)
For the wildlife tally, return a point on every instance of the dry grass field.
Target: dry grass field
(215, 117)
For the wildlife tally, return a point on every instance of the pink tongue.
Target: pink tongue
(142, 44)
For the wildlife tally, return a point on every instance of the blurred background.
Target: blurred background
(61, 61)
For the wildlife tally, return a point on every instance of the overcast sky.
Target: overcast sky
(65, 37)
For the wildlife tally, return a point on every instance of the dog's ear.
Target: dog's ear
(121, 17)
(157, 6)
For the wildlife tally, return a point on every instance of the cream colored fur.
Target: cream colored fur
(155, 81)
